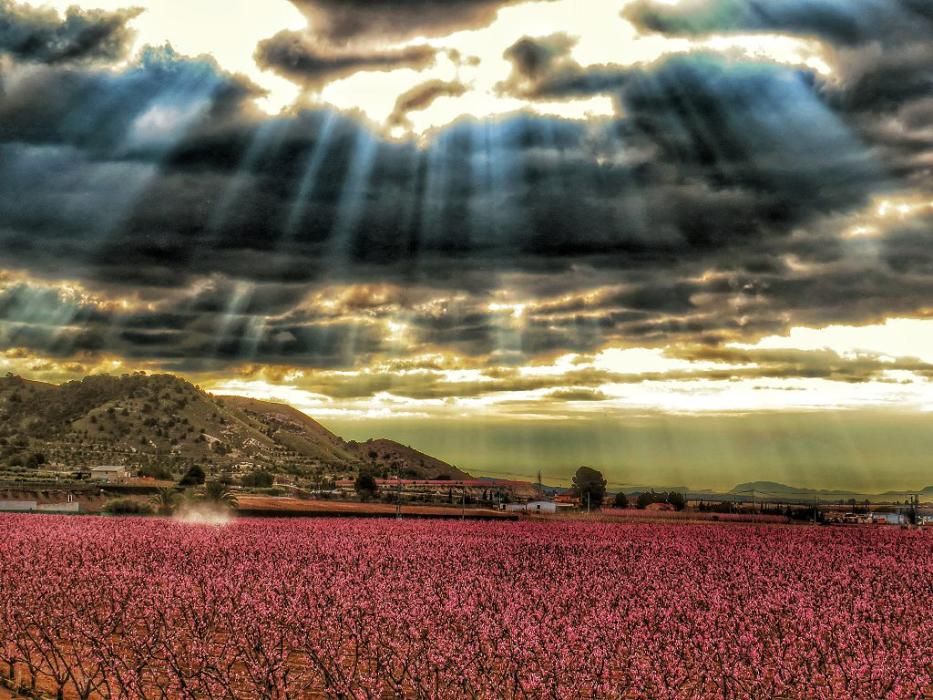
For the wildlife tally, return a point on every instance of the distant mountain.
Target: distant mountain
(164, 421)
(641, 488)
(776, 491)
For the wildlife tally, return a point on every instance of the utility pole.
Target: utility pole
(463, 503)
(398, 492)
(587, 502)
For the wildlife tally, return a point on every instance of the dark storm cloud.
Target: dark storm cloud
(710, 209)
(295, 55)
(533, 57)
(192, 331)
(340, 21)
(885, 47)
(38, 34)
(846, 22)
(104, 113)
(542, 69)
(422, 96)
(885, 79)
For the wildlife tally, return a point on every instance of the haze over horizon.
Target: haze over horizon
(685, 241)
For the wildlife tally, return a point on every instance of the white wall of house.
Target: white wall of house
(542, 507)
(70, 507)
(17, 506)
(532, 507)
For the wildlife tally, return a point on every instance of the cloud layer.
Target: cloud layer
(150, 212)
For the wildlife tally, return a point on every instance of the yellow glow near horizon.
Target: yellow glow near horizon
(896, 337)
(698, 392)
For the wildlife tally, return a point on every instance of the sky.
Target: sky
(687, 241)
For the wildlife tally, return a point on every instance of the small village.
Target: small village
(93, 490)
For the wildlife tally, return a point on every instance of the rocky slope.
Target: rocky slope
(164, 422)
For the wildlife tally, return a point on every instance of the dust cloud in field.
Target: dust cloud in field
(201, 514)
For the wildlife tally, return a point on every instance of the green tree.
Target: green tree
(155, 471)
(216, 493)
(366, 486)
(646, 498)
(163, 501)
(620, 500)
(35, 460)
(193, 477)
(260, 479)
(589, 486)
(676, 499)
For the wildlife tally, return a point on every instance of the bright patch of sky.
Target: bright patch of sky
(229, 30)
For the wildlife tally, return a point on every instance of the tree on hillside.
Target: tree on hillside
(589, 486)
(258, 479)
(193, 477)
(620, 500)
(34, 460)
(366, 486)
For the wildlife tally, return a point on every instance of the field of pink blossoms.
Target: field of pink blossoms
(133, 608)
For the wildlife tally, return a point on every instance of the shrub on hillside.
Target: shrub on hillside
(193, 477)
(259, 479)
(155, 471)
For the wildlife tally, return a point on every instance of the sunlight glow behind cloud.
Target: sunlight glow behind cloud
(895, 337)
(230, 31)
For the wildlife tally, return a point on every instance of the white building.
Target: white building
(33, 507)
(69, 507)
(17, 506)
(532, 507)
(109, 473)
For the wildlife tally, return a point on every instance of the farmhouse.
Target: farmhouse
(109, 473)
(566, 500)
(532, 507)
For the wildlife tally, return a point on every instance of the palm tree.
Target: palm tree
(164, 501)
(217, 493)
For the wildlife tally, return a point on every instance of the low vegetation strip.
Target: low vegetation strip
(276, 608)
(268, 506)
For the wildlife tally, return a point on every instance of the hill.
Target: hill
(777, 491)
(394, 455)
(303, 434)
(162, 422)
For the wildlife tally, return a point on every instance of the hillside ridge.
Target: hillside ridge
(161, 421)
